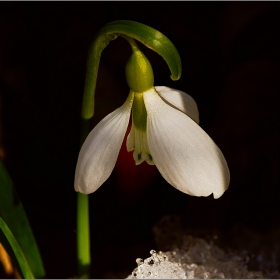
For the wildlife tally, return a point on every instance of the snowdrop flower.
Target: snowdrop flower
(164, 132)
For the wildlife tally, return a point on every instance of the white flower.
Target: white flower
(165, 133)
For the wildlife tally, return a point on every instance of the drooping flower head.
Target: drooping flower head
(164, 132)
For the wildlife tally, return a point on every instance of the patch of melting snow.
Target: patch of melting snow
(189, 257)
(201, 261)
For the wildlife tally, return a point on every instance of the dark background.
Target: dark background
(231, 67)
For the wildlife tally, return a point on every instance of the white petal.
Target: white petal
(184, 154)
(179, 100)
(100, 150)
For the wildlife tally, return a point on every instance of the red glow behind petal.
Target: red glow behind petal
(132, 179)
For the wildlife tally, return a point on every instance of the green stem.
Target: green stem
(132, 42)
(83, 230)
(83, 236)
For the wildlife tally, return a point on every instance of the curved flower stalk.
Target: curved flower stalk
(154, 40)
(164, 132)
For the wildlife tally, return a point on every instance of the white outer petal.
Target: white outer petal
(180, 100)
(184, 154)
(100, 150)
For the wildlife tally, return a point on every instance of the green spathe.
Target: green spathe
(139, 72)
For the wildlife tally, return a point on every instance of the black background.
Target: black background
(231, 67)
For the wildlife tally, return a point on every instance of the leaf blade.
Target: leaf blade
(12, 211)
(25, 268)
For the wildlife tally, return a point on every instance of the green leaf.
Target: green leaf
(25, 268)
(12, 211)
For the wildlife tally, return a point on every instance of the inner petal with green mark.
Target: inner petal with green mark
(137, 138)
